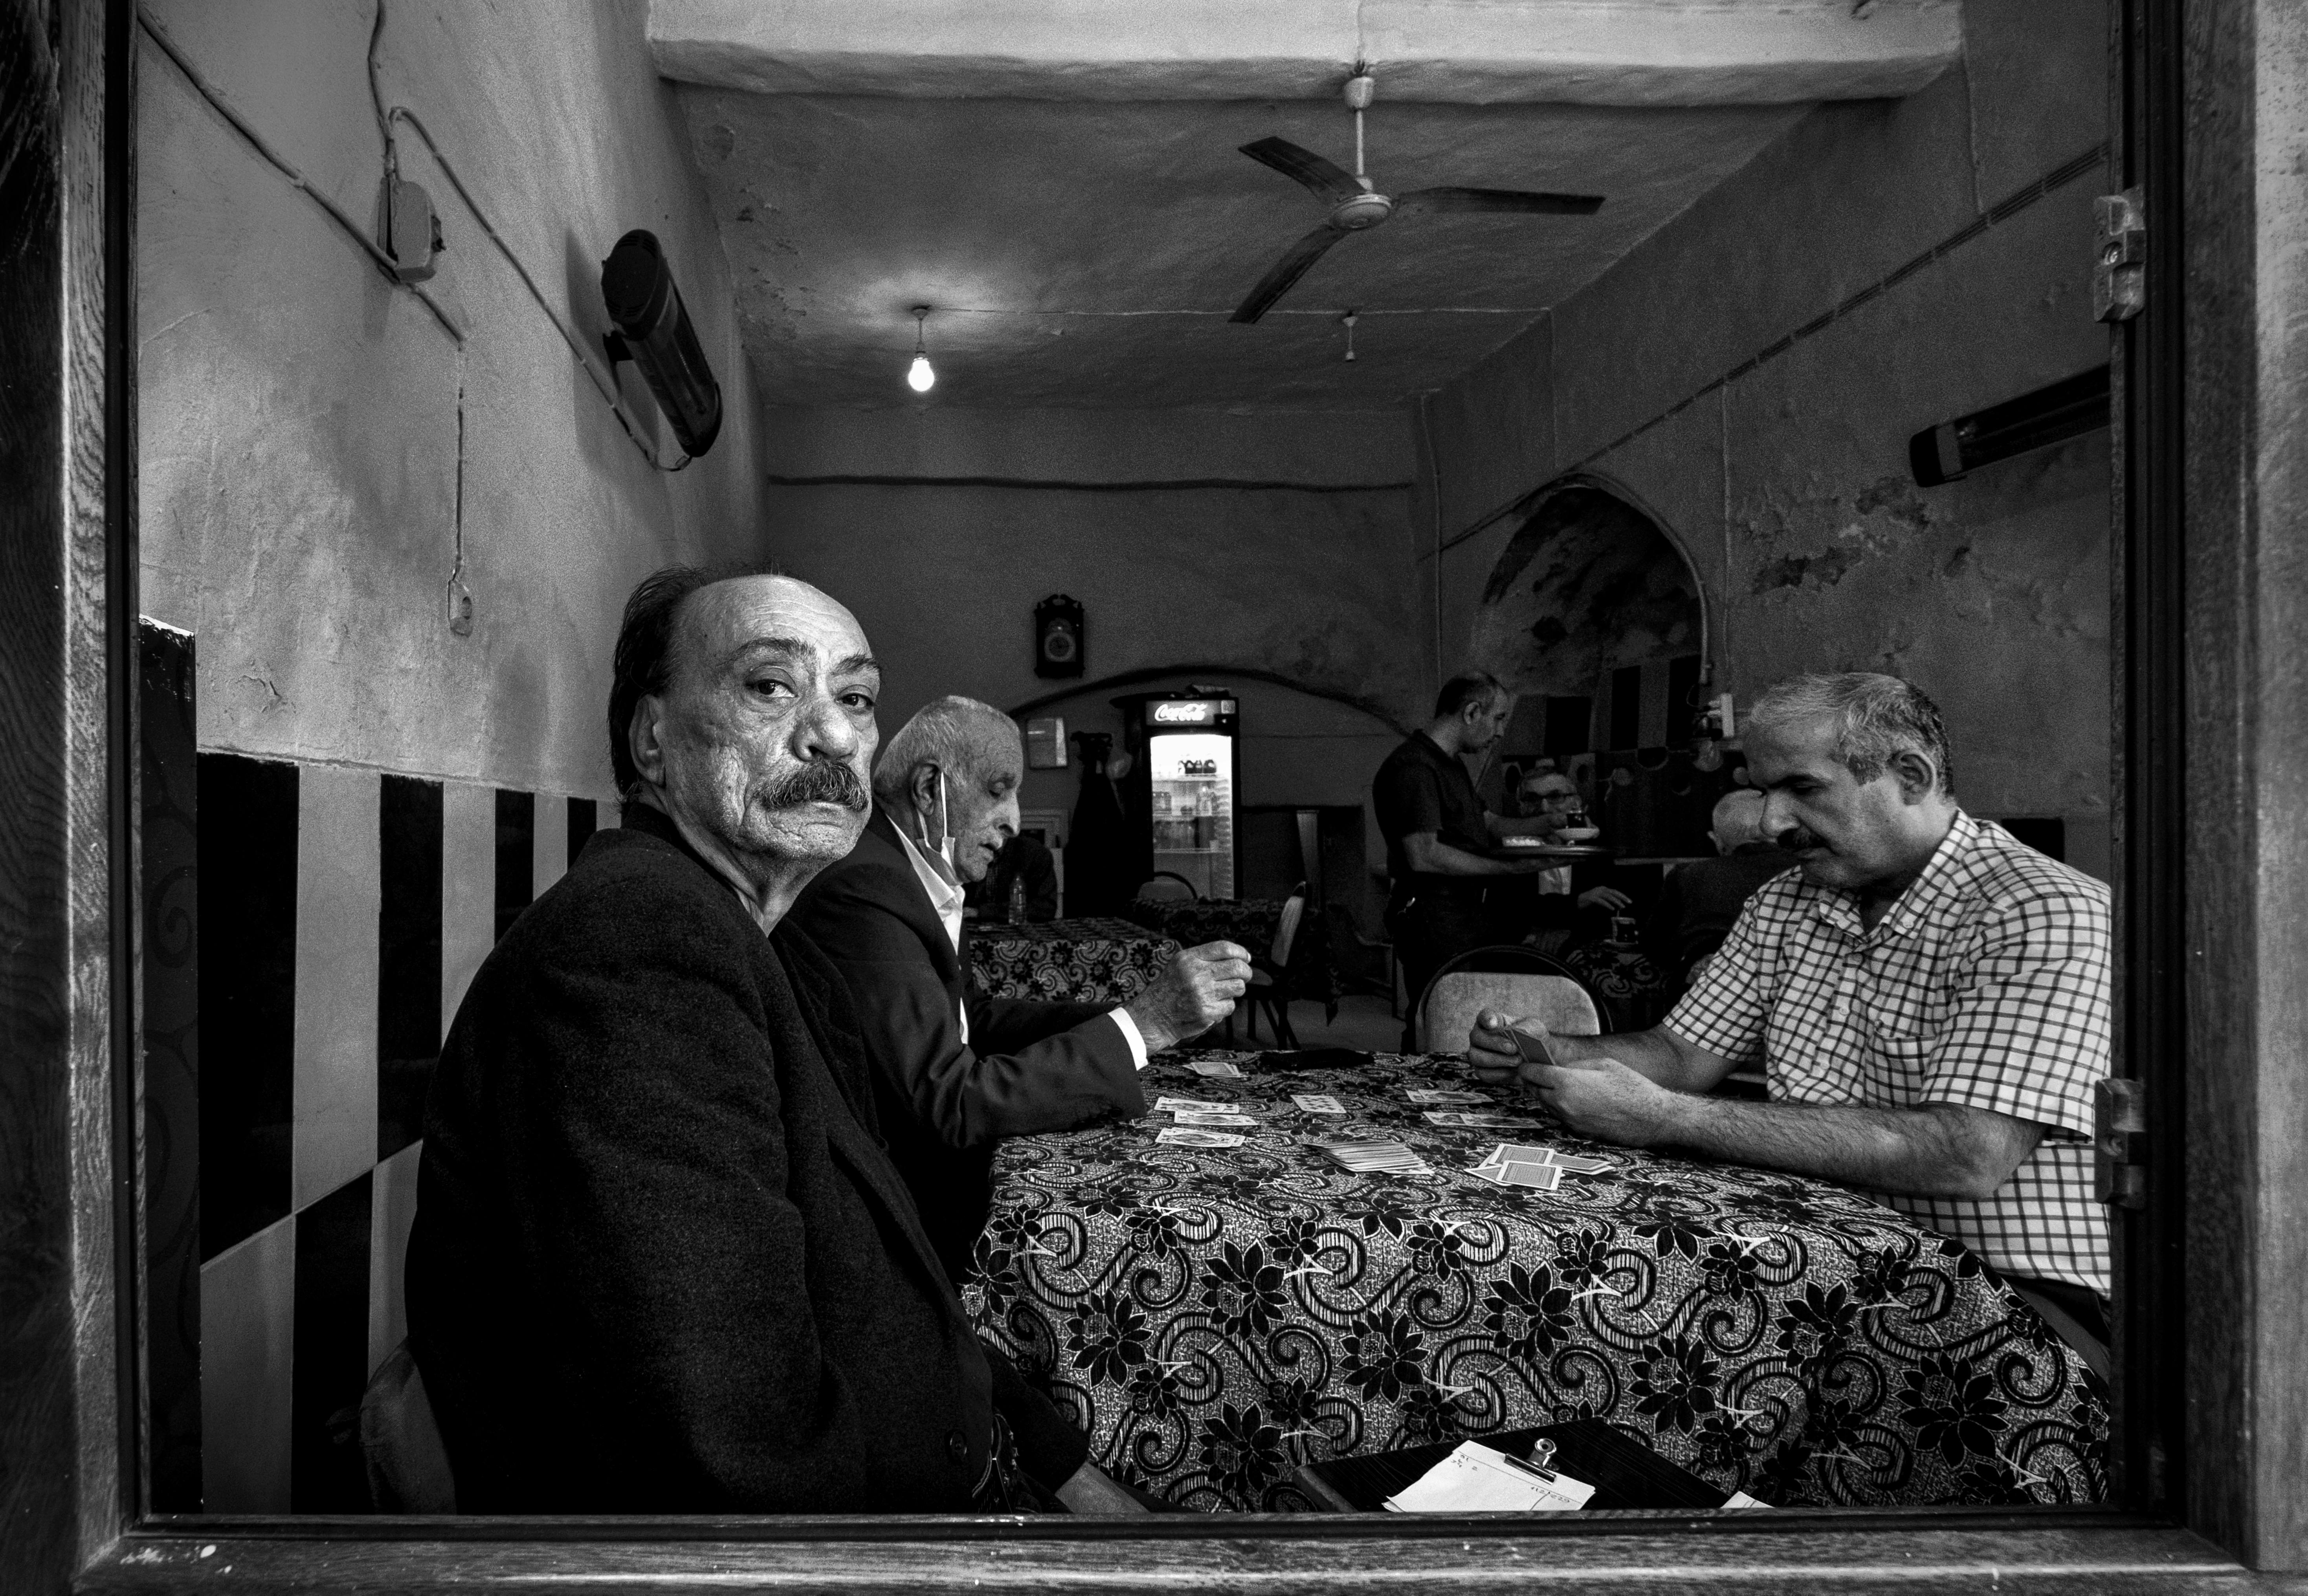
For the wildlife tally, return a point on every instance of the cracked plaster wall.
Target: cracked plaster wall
(299, 416)
(1315, 586)
(1789, 486)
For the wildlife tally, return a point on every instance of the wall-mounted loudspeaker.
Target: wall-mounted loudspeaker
(1057, 636)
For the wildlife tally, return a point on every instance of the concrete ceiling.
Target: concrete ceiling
(1079, 251)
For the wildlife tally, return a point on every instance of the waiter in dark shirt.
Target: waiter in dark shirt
(1438, 837)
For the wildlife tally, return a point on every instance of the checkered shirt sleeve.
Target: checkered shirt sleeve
(2029, 1037)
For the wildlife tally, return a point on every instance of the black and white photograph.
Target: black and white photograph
(1067, 795)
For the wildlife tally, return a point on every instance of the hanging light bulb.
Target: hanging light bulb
(919, 378)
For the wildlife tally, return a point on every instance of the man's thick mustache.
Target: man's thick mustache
(820, 782)
(1796, 838)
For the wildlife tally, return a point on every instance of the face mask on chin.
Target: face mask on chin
(939, 852)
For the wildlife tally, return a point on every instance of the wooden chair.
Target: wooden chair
(1166, 887)
(1269, 976)
(1511, 979)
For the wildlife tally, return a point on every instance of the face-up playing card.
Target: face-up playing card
(1215, 1069)
(1429, 1094)
(1190, 1136)
(1212, 1121)
(1168, 1105)
(1316, 1102)
(1542, 1177)
(1466, 1121)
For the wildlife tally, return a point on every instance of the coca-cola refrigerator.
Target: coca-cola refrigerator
(1182, 789)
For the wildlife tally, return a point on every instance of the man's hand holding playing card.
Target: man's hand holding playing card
(1587, 1086)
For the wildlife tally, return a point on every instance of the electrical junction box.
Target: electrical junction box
(412, 230)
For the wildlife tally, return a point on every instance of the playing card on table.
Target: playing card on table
(1515, 1153)
(1541, 1177)
(1217, 1069)
(1454, 1116)
(1190, 1136)
(1578, 1163)
(1166, 1105)
(1213, 1121)
(1318, 1102)
(1430, 1095)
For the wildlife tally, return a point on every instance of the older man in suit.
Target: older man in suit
(661, 1261)
(956, 1071)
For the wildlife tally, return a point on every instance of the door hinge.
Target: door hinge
(2120, 262)
(2120, 1143)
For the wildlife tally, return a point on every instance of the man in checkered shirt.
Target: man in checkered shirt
(1928, 999)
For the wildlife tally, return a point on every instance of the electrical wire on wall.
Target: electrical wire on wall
(223, 107)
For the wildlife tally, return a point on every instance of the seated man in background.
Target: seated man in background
(1929, 1000)
(1575, 902)
(1699, 902)
(956, 1071)
(1022, 888)
(661, 1262)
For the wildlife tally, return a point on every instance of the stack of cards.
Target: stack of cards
(1539, 1168)
(1215, 1069)
(1463, 1119)
(1430, 1095)
(1377, 1158)
(1188, 1135)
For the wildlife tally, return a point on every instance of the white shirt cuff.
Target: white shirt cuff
(1129, 1034)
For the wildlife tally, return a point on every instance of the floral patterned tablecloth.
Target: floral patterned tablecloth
(1083, 961)
(1215, 1317)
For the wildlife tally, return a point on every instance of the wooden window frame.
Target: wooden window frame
(2214, 1274)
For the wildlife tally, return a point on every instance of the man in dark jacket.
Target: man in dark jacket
(956, 1070)
(661, 1261)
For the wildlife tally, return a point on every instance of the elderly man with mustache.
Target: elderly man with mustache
(1928, 999)
(661, 1261)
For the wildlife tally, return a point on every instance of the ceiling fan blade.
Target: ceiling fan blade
(1286, 270)
(1329, 182)
(1507, 200)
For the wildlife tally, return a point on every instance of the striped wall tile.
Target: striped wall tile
(335, 1094)
(468, 888)
(248, 1294)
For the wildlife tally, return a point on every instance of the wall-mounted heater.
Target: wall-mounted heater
(2051, 415)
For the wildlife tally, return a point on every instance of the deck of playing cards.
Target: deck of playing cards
(1188, 1135)
(1539, 1168)
(1170, 1105)
(1377, 1158)
(1431, 1094)
(1217, 1069)
(1464, 1120)
(1213, 1119)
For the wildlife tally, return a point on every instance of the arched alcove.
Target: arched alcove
(1589, 583)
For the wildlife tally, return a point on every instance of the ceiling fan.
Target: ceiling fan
(1357, 205)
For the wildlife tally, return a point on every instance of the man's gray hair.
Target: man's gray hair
(1873, 717)
(953, 733)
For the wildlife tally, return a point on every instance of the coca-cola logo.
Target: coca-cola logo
(1182, 714)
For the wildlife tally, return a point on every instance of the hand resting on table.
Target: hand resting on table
(1642, 1090)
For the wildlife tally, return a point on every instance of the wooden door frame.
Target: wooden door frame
(2213, 605)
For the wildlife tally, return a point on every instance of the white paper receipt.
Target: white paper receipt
(1217, 1069)
(1318, 1102)
(1476, 1479)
